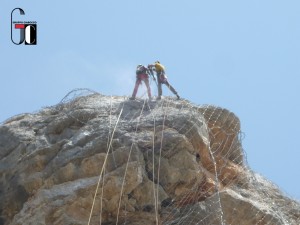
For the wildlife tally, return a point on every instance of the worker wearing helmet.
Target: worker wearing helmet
(141, 75)
(162, 79)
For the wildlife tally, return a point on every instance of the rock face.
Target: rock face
(106, 160)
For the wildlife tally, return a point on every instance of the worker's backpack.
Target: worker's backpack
(141, 70)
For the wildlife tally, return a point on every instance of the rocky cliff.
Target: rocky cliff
(95, 159)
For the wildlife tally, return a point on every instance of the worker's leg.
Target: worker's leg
(159, 89)
(136, 87)
(146, 81)
(166, 82)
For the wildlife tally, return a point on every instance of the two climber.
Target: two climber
(142, 74)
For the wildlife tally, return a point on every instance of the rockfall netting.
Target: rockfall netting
(216, 148)
(150, 162)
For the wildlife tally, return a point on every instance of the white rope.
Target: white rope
(104, 164)
(128, 159)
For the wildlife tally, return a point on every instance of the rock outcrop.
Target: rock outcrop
(106, 160)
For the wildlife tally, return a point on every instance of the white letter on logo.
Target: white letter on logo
(27, 34)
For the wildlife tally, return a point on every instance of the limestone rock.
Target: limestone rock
(106, 160)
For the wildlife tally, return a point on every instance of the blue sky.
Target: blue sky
(241, 55)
